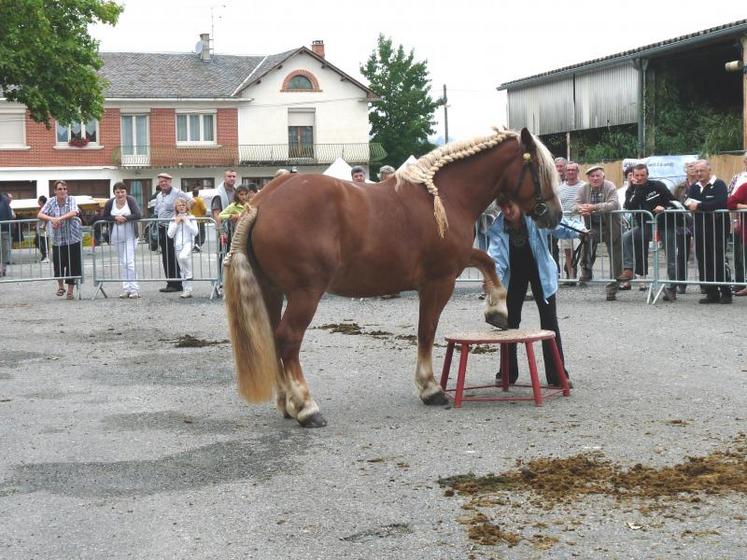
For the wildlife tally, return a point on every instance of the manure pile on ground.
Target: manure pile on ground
(538, 486)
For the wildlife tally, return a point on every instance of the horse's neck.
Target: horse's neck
(471, 184)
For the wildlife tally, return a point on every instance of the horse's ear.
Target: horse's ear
(527, 140)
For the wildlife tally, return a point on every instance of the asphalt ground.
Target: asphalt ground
(116, 443)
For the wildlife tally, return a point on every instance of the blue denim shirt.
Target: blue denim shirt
(499, 250)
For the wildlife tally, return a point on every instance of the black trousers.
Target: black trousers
(710, 243)
(66, 261)
(168, 258)
(523, 274)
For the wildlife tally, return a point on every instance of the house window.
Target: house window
(301, 134)
(300, 82)
(134, 135)
(78, 133)
(12, 130)
(189, 184)
(195, 128)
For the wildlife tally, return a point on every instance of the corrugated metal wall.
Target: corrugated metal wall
(604, 97)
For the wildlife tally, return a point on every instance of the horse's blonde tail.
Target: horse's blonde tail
(257, 365)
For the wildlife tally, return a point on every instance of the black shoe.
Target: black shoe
(726, 298)
(670, 294)
(169, 289)
(710, 300)
(499, 379)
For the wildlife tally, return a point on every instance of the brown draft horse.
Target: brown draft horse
(305, 235)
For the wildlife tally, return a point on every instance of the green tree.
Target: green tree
(402, 118)
(48, 61)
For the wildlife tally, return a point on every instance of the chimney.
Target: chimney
(318, 47)
(204, 48)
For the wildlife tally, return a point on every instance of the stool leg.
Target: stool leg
(504, 367)
(536, 388)
(460, 376)
(559, 368)
(447, 365)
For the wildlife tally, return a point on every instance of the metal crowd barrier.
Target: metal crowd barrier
(28, 254)
(120, 259)
(701, 248)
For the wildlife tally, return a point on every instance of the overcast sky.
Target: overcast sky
(472, 46)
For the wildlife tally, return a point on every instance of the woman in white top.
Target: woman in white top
(183, 229)
(123, 211)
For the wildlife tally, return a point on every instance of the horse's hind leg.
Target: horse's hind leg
(289, 335)
(273, 299)
(496, 312)
(433, 298)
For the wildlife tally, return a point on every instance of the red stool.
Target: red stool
(504, 338)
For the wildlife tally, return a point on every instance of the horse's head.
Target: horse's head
(535, 185)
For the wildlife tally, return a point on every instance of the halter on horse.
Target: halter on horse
(309, 234)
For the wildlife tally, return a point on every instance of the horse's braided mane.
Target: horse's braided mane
(423, 171)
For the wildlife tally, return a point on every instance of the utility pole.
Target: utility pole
(445, 100)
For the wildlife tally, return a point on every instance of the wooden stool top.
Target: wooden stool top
(501, 337)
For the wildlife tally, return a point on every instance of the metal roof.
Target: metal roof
(685, 41)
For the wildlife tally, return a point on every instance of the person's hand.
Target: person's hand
(586, 209)
(693, 205)
(120, 219)
(658, 209)
(235, 217)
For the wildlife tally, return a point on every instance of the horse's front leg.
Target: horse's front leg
(496, 312)
(433, 298)
(298, 314)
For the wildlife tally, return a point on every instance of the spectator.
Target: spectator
(199, 211)
(182, 230)
(152, 202)
(594, 202)
(560, 163)
(123, 212)
(225, 196)
(651, 196)
(6, 215)
(522, 258)
(234, 210)
(683, 229)
(253, 190)
(358, 174)
(567, 193)
(738, 201)
(740, 177)
(40, 237)
(62, 213)
(165, 212)
(385, 172)
(711, 229)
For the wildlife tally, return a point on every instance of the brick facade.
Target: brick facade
(45, 153)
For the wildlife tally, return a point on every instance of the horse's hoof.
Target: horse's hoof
(315, 420)
(497, 320)
(436, 399)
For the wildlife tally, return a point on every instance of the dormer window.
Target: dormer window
(300, 80)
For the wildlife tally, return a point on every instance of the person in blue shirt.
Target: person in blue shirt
(522, 258)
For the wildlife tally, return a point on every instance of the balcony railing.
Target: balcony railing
(249, 154)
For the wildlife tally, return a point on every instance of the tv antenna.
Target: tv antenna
(212, 21)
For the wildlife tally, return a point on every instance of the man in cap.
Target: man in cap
(164, 211)
(594, 202)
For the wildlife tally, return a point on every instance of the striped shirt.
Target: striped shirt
(567, 194)
(69, 231)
